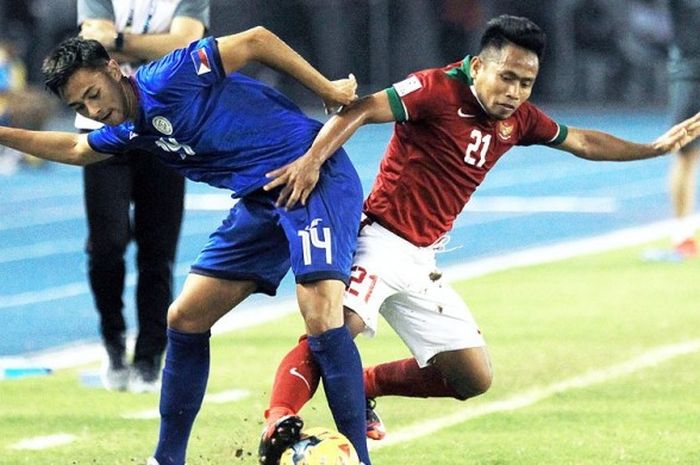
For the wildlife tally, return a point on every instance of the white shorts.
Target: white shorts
(391, 276)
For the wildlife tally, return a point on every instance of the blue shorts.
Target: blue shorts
(259, 242)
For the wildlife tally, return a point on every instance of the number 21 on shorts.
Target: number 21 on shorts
(361, 283)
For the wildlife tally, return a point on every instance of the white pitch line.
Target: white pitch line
(527, 398)
(43, 442)
(223, 397)
(619, 239)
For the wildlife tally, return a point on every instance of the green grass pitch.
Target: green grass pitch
(544, 324)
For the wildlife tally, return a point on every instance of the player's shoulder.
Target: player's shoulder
(453, 74)
(167, 72)
(439, 83)
(528, 111)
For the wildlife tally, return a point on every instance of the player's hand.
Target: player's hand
(298, 178)
(102, 31)
(344, 92)
(679, 135)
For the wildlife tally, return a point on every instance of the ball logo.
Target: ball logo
(163, 126)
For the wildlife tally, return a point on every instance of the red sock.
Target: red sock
(405, 378)
(295, 382)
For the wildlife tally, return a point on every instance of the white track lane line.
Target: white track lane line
(81, 354)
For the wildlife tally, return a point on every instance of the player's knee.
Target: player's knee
(181, 319)
(321, 315)
(321, 305)
(353, 322)
(318, 321)
(471, 384)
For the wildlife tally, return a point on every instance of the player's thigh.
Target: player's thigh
(205, 299)
(382, 266)
(432, 321)
(365, 294)
(248, 246)
(322, 234)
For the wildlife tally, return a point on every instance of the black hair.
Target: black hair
(522, 32)
(68, 57)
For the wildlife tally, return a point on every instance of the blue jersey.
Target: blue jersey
(224, 130)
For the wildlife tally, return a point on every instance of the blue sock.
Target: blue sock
(184, 381)
(341, 371)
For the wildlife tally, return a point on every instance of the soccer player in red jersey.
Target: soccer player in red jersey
(452, 126)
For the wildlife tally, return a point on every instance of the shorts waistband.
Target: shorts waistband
(430, 249)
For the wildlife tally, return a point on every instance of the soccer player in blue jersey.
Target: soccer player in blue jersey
(219, 127)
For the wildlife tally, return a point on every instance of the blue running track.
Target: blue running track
(535, 196)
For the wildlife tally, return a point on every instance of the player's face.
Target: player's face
(503, 79)
(98, 94)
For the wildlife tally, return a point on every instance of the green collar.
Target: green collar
(462, 71)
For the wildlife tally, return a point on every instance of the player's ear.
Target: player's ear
(475, 65)
(113, 69)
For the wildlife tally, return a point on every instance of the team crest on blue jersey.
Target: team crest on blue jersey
(201, 61)
(162, 124)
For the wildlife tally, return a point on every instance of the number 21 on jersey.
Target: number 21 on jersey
(479, 146)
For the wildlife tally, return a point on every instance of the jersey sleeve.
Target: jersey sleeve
(197, 9)
(540, 128)
(415, 97)
(183, 71)
(109, 139)
(95, 9)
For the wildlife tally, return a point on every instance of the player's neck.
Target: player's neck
(132, 98)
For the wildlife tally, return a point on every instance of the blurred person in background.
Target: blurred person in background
(135, 32)
(21, 105)
(643, 37)
(684, 89)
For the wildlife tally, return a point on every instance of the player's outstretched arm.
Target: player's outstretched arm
(299, 177)
(596, 145)
(63, 147)
(259, 44)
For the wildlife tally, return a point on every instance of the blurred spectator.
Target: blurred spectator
(20, 105)
(644, 39)
(461, 22)
(599, 60)
(684, 90)
(133, 32)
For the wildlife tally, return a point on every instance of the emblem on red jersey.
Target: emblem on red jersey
(505, 129)
(201, 61)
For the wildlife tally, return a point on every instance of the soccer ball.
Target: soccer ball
(320, 446)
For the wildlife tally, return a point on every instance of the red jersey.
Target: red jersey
(442, 147)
